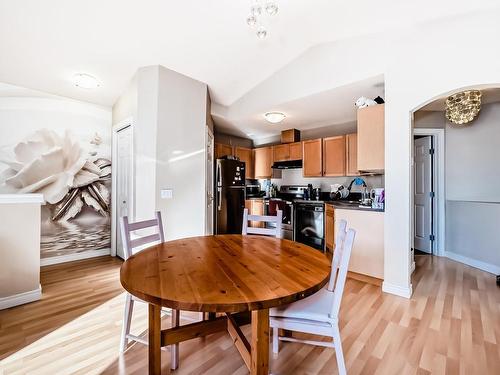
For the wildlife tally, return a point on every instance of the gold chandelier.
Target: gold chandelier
(463, 107)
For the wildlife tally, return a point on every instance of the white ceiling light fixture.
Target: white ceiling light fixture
(258, 10)
(274, 117)
(85, 81)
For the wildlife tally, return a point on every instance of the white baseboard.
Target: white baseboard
(397, 290)
(491, 268)
(73, 257)
(21, 298)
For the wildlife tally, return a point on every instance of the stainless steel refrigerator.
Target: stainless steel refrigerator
(230, 196)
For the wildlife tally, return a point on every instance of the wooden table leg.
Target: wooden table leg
(154, 334)
(174, 350)
(260, 342)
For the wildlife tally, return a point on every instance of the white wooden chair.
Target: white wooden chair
(319, 314)
(275, 231)
(130, 245)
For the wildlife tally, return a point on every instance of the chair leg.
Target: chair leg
(276, 341)
(174, 362)
(338, 351)
(127, 321)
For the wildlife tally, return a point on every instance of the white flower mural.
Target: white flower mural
(59, 168)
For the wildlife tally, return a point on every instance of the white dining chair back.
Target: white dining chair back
(318, 314)
(127, 229)
(337, 252)
(132, 244)
(274, 230)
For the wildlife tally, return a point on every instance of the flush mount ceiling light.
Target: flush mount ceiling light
(85, 81)
(258, 11)
(274, 117)
(463, 107)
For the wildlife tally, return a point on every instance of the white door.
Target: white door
(124, 181)
(423, 194)
(210, 183)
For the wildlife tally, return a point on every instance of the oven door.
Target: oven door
(309, 225)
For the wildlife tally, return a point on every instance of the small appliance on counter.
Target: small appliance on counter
(316, 194)
(377, 196)
(252, 189)
(338, 191)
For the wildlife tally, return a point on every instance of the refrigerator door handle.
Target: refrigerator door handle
(219, 176)
(219, 198)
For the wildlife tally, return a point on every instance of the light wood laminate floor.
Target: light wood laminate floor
(450, 326)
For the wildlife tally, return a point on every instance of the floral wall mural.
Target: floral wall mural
(61, 149)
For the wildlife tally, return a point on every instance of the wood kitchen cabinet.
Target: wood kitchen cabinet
(246, 155)
(263, 161)
(287, 151)
(312, 154)
(329, 227)
(334, 156)
(255, 207)
(281, 152)
(371, 138)
(223, 150)
(296, 151)
(351, 151)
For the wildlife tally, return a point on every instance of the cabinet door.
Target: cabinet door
(222, 150)
(281, 152)
(312, 158)
(296, 151)
(263, 159)
(329, 227)
(334, 156)
(246, 156)
(371, 138)
(351, 149)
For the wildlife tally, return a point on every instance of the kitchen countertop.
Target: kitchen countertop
(343, 205)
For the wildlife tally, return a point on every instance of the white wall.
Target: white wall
(169, 113)
(181, 128)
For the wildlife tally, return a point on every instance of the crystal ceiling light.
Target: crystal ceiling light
(258, 10)
(463, 107)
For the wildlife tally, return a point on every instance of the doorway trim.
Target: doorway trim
(209, 181)
(114, 154)
(439, 219)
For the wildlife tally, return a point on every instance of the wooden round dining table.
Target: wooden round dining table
(239, 277)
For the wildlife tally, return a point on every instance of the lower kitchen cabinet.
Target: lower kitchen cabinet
(329, 227)
(367, 255)
(255, 207)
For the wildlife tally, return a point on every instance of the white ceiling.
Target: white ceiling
(44, 43)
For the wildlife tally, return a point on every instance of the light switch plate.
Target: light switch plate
(166, 193)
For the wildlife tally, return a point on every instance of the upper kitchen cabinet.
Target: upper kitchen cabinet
(281, 152)
(223, 150)
(263, 159)
(287, 151)
(334, 155)
(245, 155)
(351, 151)
(371, 138)
(296, 151)
(312, 154)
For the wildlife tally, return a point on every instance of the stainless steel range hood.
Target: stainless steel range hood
(289, 164)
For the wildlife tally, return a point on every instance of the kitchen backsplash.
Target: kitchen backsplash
(294, 177)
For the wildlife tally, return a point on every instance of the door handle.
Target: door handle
(219, 198)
